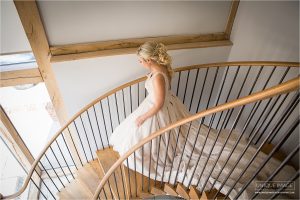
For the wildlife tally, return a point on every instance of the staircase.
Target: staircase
(78, 163)
(89, 176)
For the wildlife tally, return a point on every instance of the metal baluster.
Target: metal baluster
(122, 176)
(178, 83)
(116, 183)
(198, 133)
(240, 156)
(149, 166)
(283, 139)
(159, 140)
(74, 146)
(130, 95)
(92, 129)
(100, 102)
(59, 164)
(135, 179)
(289, 110)
(44, 184)
(200, 97)
(161, 182)
(98, 128)
(64, 159)
(143, 168)
(251, 89)
(48, 175)
(195, 83)
(273, 116)
(62, 134)
(186, 139)
(117, 108)
(211, 149)
(257, 104)
(221, 151)
(39, 189)
(284, 162)
(80, 140)
(187, 81)
(128, 177)
(138, 93)
(229, 92)
(177, 138)
(86, 137)
(54, 170)
(109, 112)
(123, 103)
(268, 102)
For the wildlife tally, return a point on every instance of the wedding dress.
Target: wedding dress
(172, 158)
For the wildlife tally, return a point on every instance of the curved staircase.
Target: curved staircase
(88, 177)
(257, 98)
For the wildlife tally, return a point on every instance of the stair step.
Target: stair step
(170, 189)
(157, 191)
(88, 177)
(64, 195)
(209, 195)
(138, 182)
(194, 193)
(144, 195)
(107, 157)
(75, 190)
(182, 191)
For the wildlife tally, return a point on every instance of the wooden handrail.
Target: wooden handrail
(286, 87)
(179, 69)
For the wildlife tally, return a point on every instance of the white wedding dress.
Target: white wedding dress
(164, 166)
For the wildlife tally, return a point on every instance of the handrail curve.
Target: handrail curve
(113, 91)
(286, 87)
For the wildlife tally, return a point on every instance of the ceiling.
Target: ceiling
(72, 22)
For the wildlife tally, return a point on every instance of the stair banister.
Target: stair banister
(179, 69)
(286, 87)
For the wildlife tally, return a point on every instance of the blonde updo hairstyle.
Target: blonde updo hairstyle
(157, 52)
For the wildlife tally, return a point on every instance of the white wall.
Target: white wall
(266, 30)
(110, 20)
(82, 81)
(13, 37)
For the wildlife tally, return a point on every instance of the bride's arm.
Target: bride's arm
(159, 98)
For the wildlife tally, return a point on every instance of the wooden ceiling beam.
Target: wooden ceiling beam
(129, 46)
(19, 77)
(231, 17)
(34, 29)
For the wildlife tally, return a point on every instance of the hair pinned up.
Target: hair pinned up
(157, 52)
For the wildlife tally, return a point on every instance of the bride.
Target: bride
(184, 154)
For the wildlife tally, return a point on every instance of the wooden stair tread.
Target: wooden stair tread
(157, 191)
(145, 195)
(107, 157)
(194, 193)
(169, 189)
(209, 195)
(182, 191)
(75, 190)
(138, 183)
(88, 177)
(267, 148)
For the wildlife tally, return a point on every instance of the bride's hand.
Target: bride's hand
(140, 120)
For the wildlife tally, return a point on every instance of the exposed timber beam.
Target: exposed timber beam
(34, 29)
(129, 46)
(9, 133)
(19, 77)
(231, 17)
